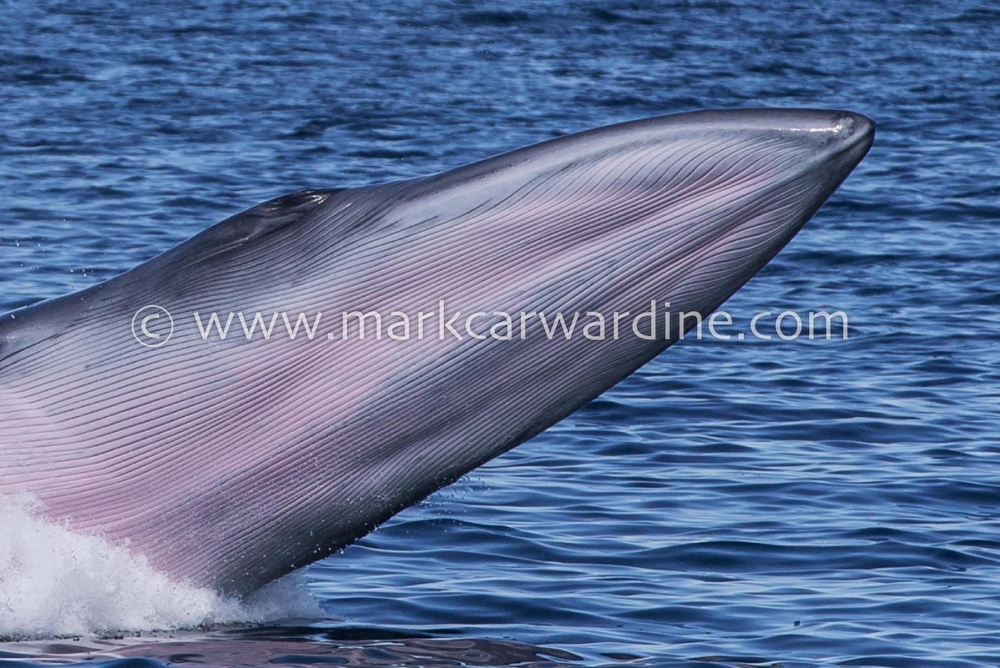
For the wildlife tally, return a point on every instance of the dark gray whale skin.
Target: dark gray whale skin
(228, 463)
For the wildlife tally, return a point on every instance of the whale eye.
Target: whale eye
(255, 224)
(303, 200)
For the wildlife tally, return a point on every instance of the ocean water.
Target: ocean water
(794, 503)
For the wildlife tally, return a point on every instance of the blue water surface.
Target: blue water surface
(733, 503)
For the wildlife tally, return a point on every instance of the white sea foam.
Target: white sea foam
(54, 582)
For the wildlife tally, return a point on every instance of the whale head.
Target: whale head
(229, 458)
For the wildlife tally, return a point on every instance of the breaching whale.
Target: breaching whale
(230, 461)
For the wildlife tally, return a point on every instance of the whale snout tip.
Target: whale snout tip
(854, 128)
(830, 131)
(837, 137)
(847, 131)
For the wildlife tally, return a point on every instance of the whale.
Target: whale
(274, 388)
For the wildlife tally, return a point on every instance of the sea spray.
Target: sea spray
(55, 582)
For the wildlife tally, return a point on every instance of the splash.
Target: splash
(54, 582)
